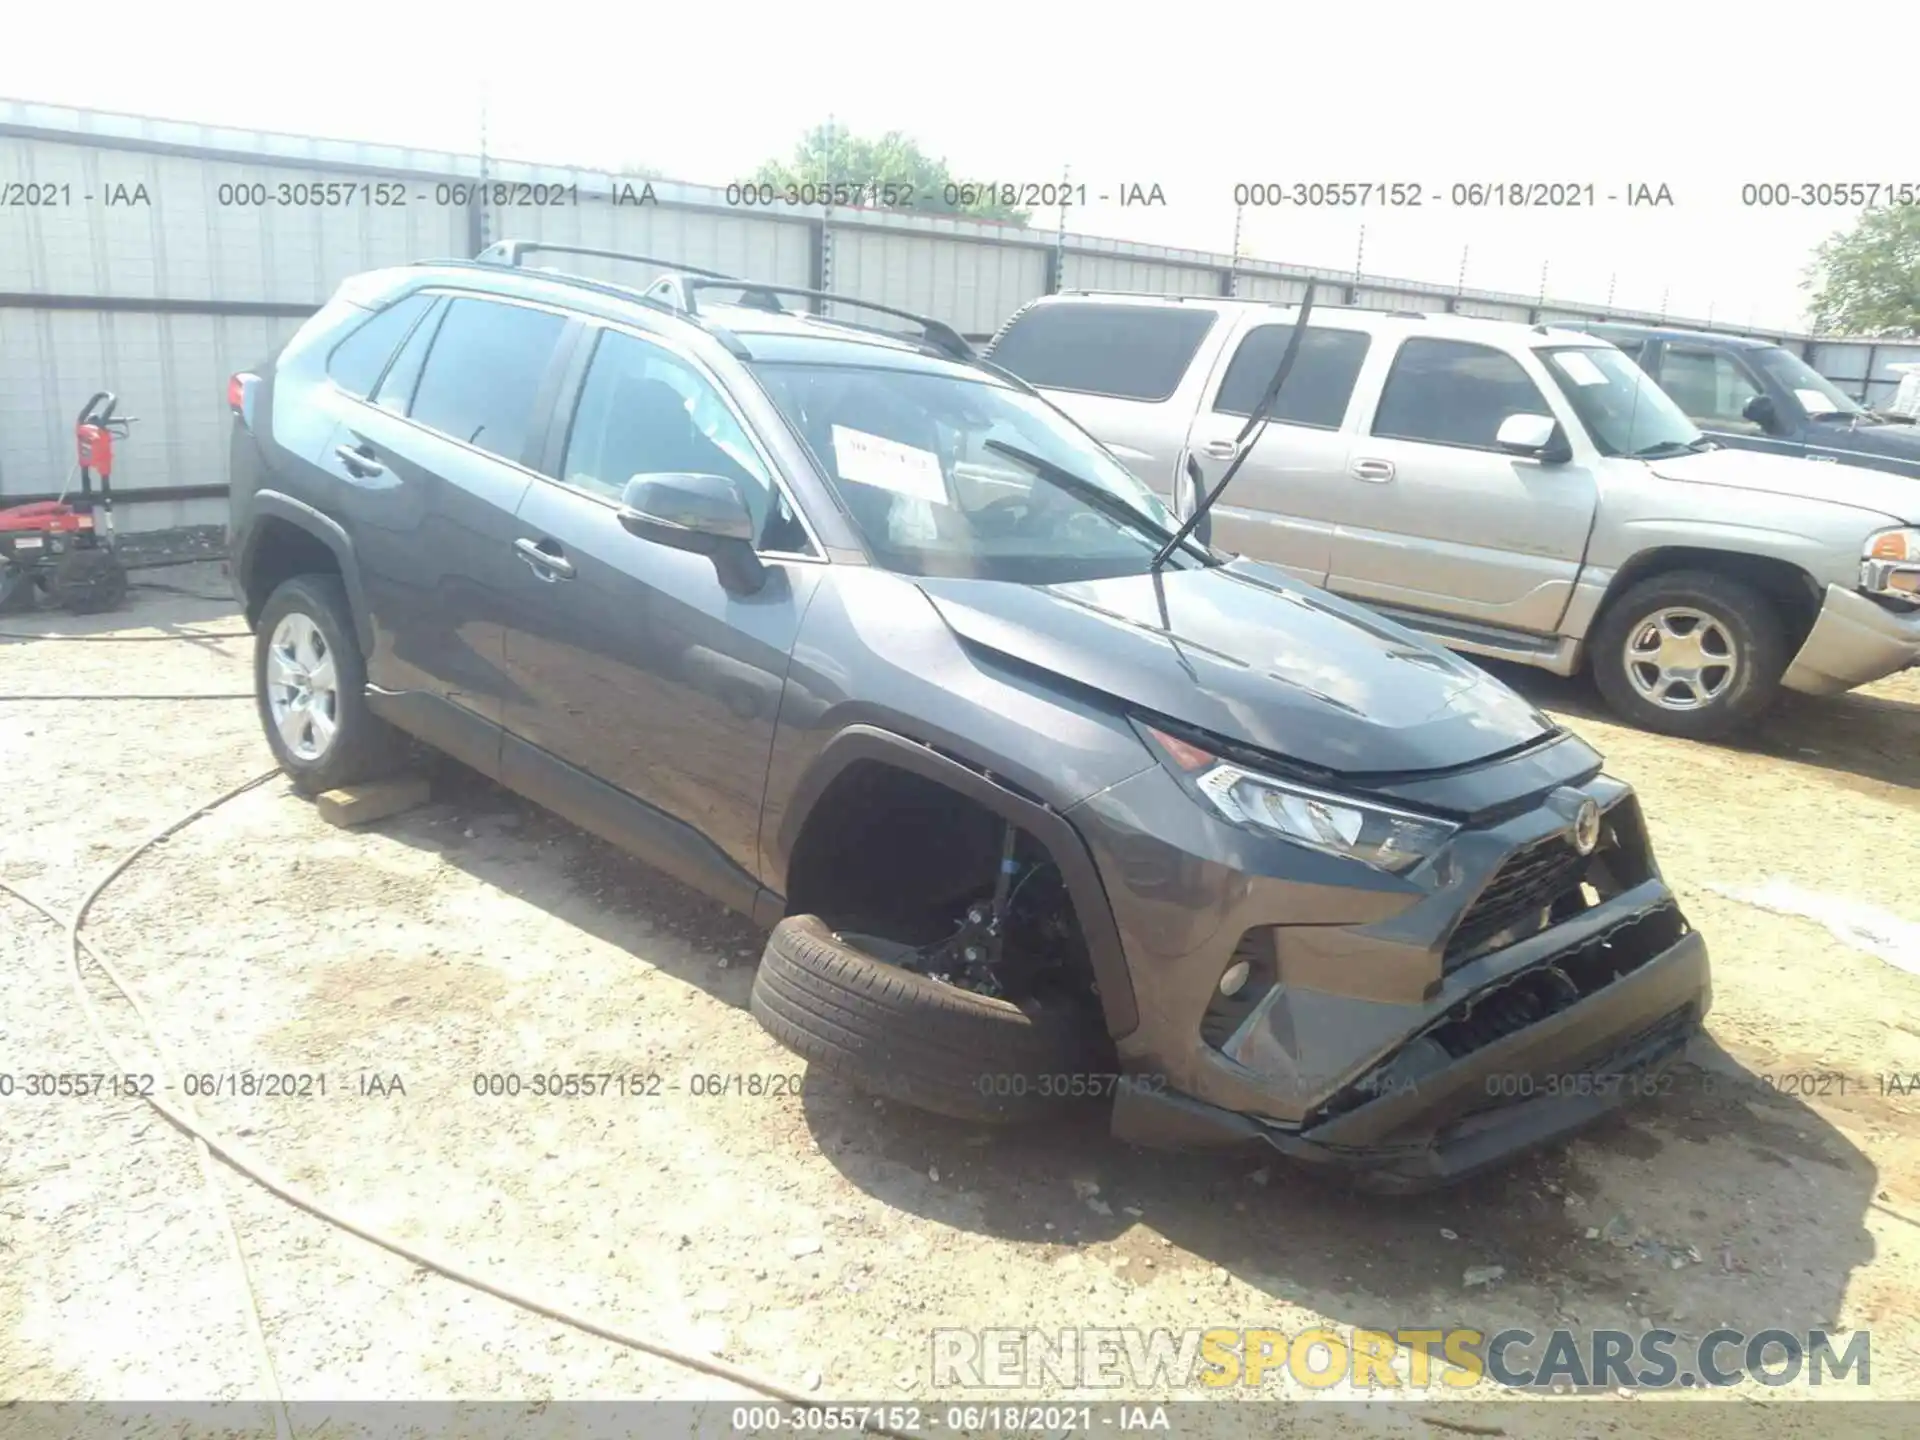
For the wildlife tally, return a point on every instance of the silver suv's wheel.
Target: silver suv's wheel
(310, 684)
(1681, 658)
(1690, 652)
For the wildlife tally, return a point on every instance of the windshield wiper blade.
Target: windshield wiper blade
(1249, 432)
(1091, 491)
(1661, 449)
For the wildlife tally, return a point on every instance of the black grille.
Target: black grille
(1529, 883)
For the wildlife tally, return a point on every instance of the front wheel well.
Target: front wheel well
(280, 551)
(893, 853)
(1794, 594)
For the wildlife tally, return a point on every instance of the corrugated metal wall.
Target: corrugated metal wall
(179, 253)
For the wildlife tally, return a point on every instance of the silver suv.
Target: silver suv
(1526, 493)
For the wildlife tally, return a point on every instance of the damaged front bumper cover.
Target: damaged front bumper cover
(1593, 1022)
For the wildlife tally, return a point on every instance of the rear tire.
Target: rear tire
(912, 1039)
(310, 684)
(1690, 616)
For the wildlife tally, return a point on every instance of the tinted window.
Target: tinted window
(396, 389)
(1317, 387)
(483, 371)
(1709, 385)
(357, 361)
(1449, 392)
(645, 411)
(1137, 352)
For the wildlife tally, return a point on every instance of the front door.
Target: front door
(1713, 388)
(630, 662)
(1444, 521)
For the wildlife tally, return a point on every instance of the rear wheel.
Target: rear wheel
(310, 688)
(1690, 653)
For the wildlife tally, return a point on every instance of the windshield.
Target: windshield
(1623, 410)
(1817, 395)
(947, 475)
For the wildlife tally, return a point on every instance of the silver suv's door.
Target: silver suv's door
(1286, 499)
(1444, 520)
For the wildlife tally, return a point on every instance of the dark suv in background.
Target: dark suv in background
(1755, 395)
(858, 634)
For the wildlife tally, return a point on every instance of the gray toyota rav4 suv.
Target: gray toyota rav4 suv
(1049, 808)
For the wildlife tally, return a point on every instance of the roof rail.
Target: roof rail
(935, 333)
(508, 252)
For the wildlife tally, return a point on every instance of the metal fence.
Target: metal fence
(154, 258)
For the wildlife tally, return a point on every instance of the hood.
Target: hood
(1891, 439)
(1251, 654)
(1878, 491)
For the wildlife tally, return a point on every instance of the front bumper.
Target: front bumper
(1378, 1043)
(1529, 1089)
(1853, 642)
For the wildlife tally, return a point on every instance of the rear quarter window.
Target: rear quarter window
(1130, 352)
(360, 359)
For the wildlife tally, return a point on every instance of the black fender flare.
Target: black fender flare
(859, 743)
(321, 527)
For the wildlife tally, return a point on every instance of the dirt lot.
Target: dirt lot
(822, 1237)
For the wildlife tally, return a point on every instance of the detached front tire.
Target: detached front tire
(930, 1045)
(1691, 653)
(310, 689)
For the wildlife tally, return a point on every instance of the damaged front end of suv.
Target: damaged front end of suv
(1528, 973)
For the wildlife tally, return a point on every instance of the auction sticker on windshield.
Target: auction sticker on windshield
(1813, 402)
(887, 464)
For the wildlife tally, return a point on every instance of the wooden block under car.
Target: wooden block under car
(352, 805)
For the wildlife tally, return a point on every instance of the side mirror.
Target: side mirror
(704, 514)
(1759, 410)
(1536, 436)
(1189, 489)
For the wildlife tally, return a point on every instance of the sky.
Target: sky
(1197, 98)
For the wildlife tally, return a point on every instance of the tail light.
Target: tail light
(240, 390)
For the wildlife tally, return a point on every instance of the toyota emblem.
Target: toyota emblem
(1586, 827)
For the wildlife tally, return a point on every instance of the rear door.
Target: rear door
(1130, 373)
(629, 660)
(437, 460)
(1292, 490)
(1445, 522)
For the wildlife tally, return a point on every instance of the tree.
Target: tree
(1866, 281)
(832, 154)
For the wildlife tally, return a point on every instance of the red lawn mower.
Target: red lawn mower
(55, 547)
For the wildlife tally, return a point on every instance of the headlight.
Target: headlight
(1890, 563)
(1381, 836)
(1902, 544)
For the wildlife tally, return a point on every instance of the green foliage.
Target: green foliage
(1866, 281)
(831, 154)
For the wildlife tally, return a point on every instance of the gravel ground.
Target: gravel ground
(810, 1232)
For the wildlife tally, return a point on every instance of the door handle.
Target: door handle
(1376, 471)
(547, 564)
(1220, 449)
(359, 460)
